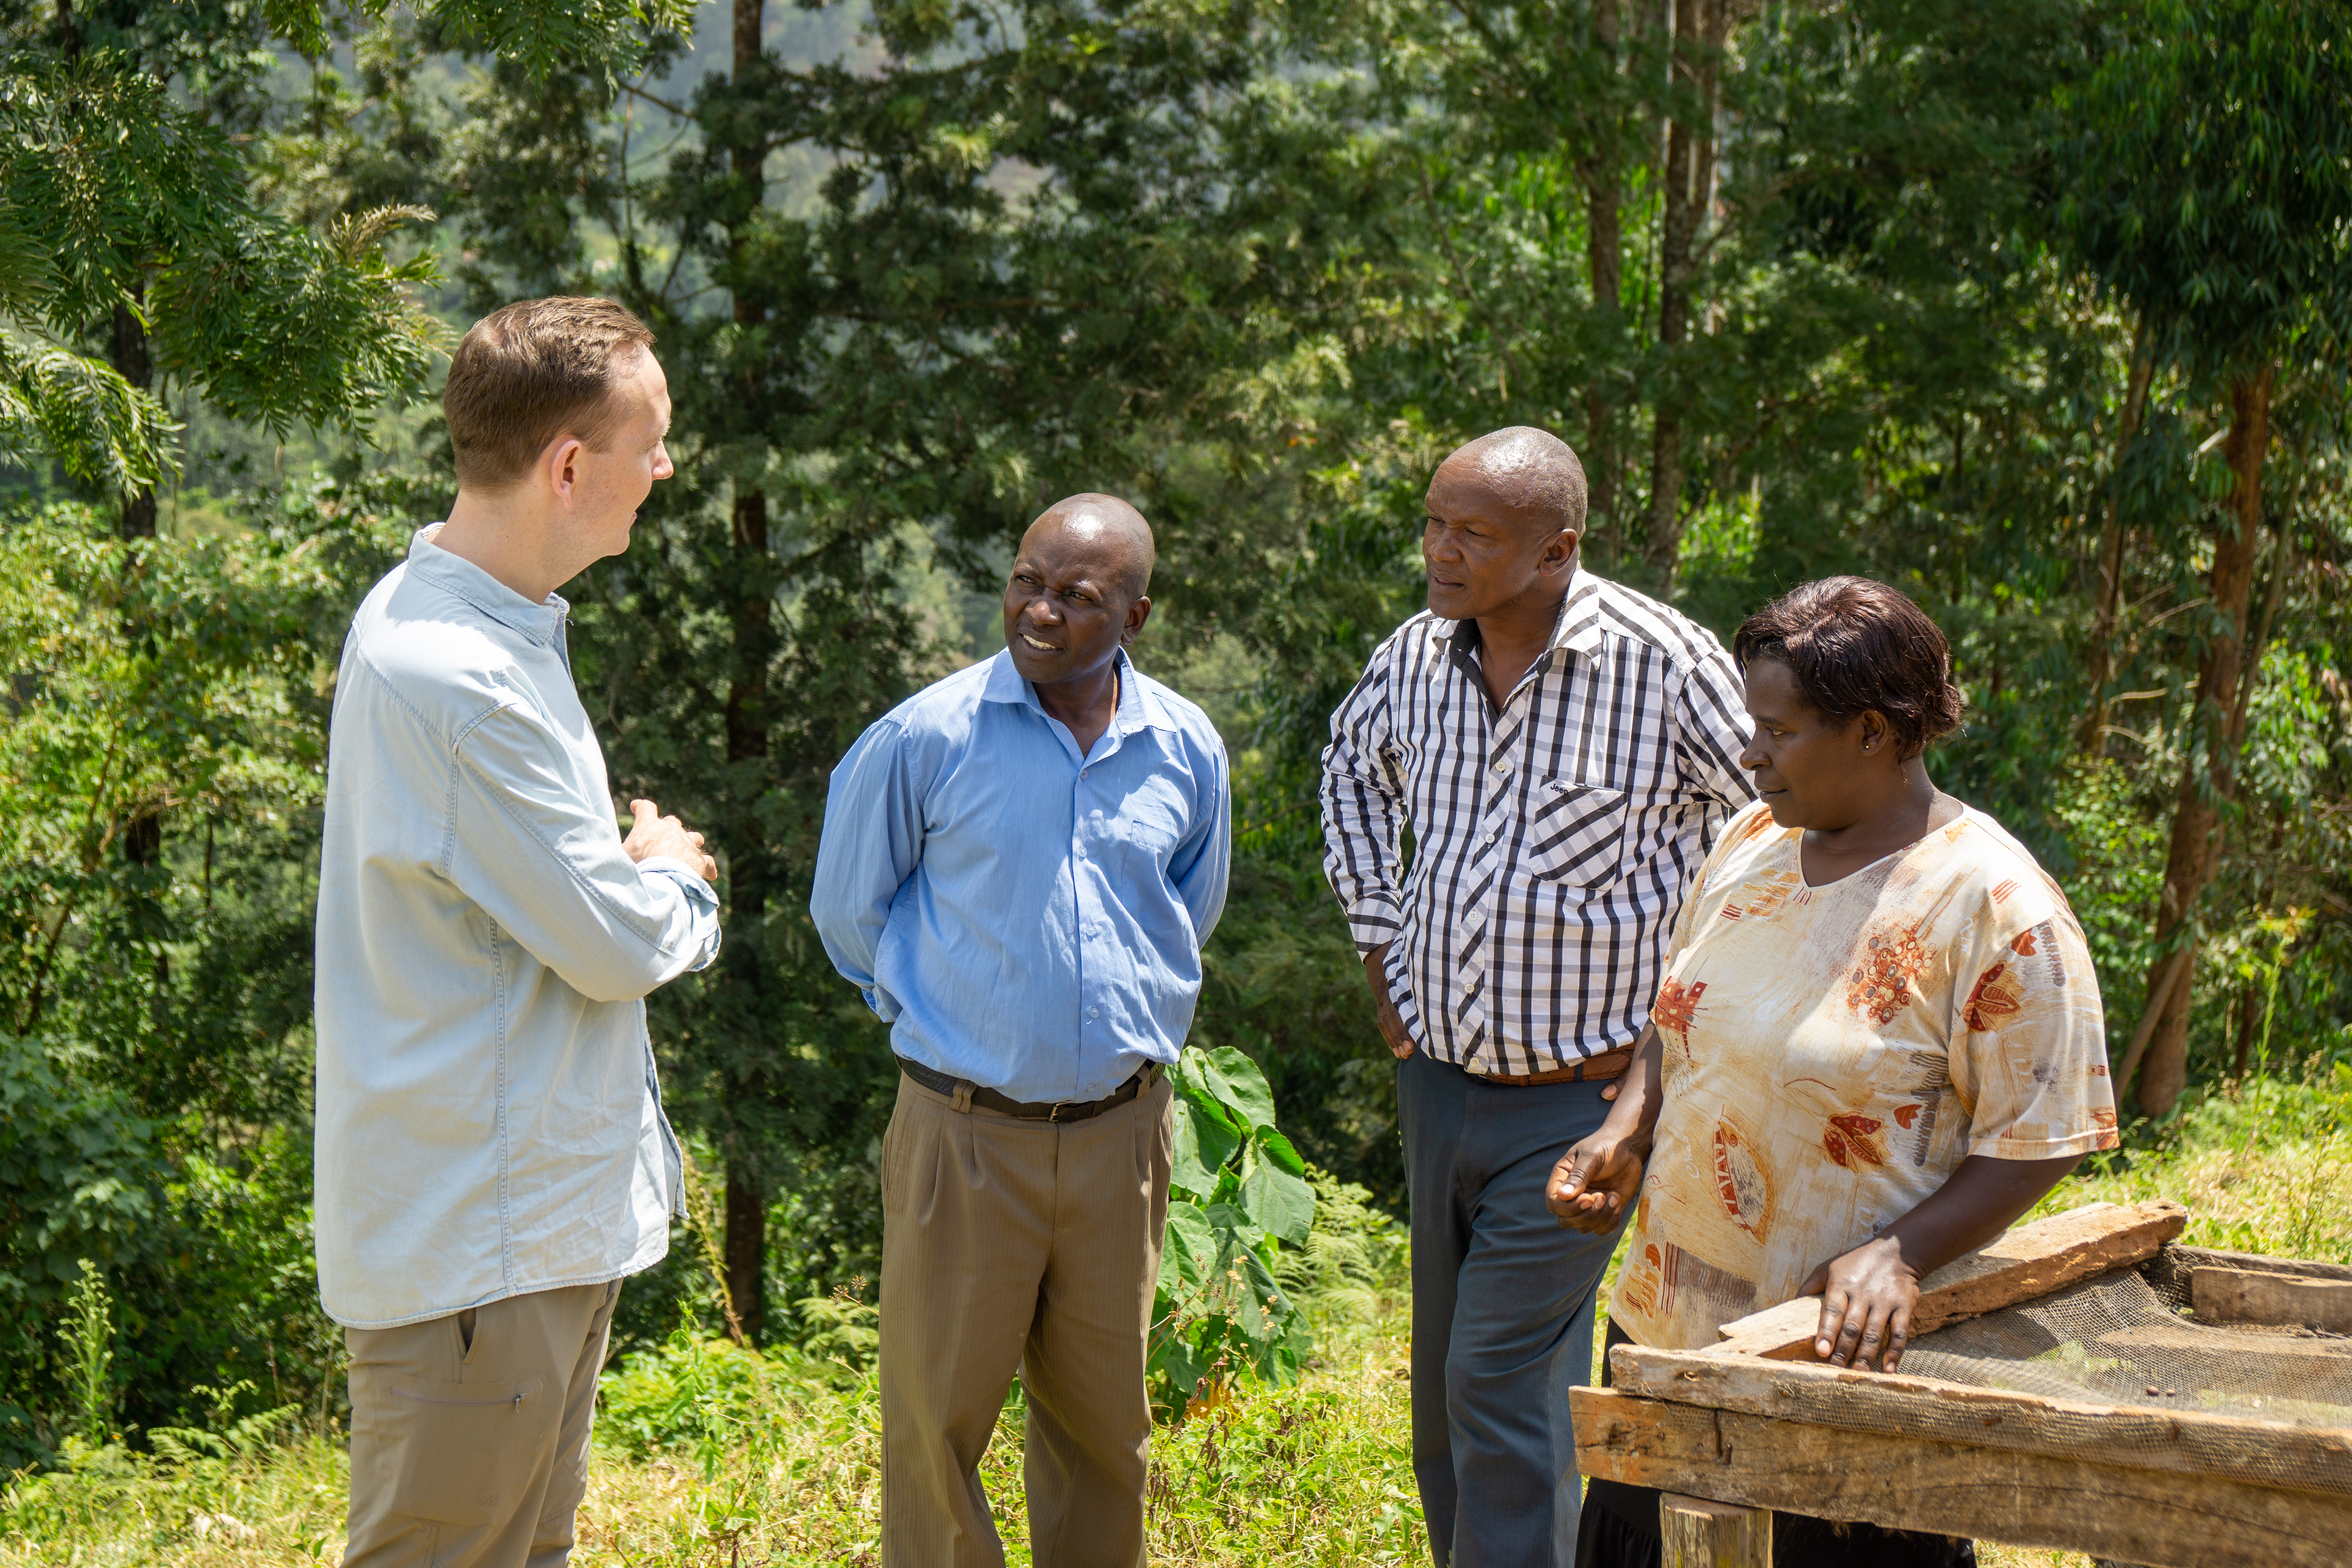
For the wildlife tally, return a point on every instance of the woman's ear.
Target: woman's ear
(1876, 734)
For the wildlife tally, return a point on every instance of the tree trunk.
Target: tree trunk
(1605, 249)
(2092, 736)
(746, 717)
(135, 365)
(1678, 229)
(746, 1254)
(2206, 781)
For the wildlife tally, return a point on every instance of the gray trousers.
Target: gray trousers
(1502, 1312)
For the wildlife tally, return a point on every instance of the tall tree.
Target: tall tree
(2230, 232)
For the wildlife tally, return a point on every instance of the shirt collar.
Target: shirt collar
(1577, 629)
(542, 623)
(1140, 708)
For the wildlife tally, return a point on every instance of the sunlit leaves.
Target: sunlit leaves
(1240, 1193)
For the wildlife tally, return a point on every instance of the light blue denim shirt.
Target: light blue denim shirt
(488, 1122)
(1021, 915)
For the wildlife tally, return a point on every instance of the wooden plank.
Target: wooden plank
(2228, 1295)
(2030, 1261)
(2174, 1264)
(2282, 1365)
(2175, 1441)
(1703, 1534)
(1907, 1482)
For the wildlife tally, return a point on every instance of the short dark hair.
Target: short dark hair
(1857, 647)
(527, 372)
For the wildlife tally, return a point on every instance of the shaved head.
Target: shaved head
(1532, 472)
(1106, 529)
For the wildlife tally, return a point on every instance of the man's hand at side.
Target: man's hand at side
(1391, 1024)
(653, 833)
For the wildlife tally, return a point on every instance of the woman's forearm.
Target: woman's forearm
(1983, 1197)
(1640, 1094)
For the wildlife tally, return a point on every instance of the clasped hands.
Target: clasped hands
(653, 833)
(1868, 1295)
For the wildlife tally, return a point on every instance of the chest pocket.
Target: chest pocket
(1576, 834)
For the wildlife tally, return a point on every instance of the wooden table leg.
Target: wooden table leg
(1703, 1534)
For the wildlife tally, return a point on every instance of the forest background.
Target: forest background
(2036, 309)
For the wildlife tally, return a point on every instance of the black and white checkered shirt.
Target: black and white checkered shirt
(1553, 840)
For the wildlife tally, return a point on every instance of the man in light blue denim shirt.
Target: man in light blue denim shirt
(492, 1158)
(1018, 869)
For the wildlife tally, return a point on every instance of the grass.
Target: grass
(713, 1458)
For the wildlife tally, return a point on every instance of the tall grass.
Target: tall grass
(712, 1456)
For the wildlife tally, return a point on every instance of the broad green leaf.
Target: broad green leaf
(1277, 1201)
(1240, 1086)
(1186, 1249)
(1236, 1229)
(1277, 1149)
(1202, 1143)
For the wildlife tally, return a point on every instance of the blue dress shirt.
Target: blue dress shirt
(1020, 914)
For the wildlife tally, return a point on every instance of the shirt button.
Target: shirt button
(1502, 767)
(1083, 772)
(1094, 1012)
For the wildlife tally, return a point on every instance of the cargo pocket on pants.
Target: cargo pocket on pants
(464, 1451)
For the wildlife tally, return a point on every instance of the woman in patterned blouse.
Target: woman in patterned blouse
(1878, 1041)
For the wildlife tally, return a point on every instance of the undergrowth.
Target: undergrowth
(712, 1456)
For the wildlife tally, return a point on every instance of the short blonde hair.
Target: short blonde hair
(527, 372)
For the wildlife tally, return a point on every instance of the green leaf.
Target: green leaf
(1239, 1085)
(1277, 1148)
(1280, 1203)
(1237, 1232)
(1203, 1142)
(1188, 1249)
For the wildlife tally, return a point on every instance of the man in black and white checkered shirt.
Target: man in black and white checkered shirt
(1564, 751)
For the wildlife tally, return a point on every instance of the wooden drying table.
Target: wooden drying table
(1756, 1423)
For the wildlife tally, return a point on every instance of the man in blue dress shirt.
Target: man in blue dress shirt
(1018, 866)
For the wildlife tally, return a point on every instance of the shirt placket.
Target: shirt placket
(1095, 972)
(1501, 801)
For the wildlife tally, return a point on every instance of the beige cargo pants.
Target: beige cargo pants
(1010, 1245)
(469, 1433)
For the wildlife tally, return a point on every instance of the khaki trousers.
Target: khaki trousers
(1034, 1245)
(469, 1433)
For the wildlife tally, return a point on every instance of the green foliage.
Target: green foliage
(89, 1335)
(1240, 1191)
(114, 198)
(2213, 159)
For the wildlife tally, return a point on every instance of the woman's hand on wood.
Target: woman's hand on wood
(1593, 1187)
(1867, 1297)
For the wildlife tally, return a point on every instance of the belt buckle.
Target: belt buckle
(1055, 1113)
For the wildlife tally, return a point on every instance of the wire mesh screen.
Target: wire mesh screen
(2117, 1341)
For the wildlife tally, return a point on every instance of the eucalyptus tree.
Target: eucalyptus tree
(2213, 192)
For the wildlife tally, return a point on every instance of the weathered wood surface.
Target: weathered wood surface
(2173, 1266)
(1703, 1534)
(2025, 1263)
(2229, 1295)
(1907, 1482)
(2175, 1441)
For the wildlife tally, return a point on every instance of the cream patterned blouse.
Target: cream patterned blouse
(1831, 1055)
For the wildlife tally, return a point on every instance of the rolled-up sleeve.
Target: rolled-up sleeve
(550, 869)
(1362, 806)
(872, 842)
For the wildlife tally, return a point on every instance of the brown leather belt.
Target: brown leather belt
(966, 1093)
(1607, 1064)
